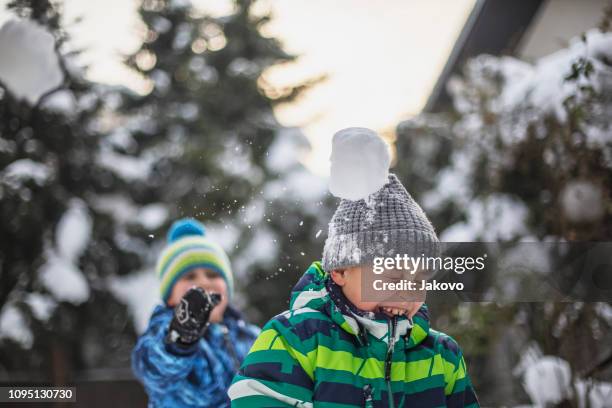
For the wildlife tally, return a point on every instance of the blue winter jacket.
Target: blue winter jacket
(199, 376)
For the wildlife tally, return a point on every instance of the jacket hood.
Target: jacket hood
(315, 290)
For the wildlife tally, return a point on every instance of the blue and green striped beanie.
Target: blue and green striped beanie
(189, 248)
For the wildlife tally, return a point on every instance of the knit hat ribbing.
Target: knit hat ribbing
(386, 223)
(189, 248)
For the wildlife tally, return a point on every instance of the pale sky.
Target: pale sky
(382, 57)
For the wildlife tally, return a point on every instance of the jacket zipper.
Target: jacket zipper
(389, 359)
(367, 394)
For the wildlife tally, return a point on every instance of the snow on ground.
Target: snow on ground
(140, 292)
(360, 162)
(29, 66)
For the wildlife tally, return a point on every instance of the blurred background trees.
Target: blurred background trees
(93, 175)
(523, 155)
(56, 248)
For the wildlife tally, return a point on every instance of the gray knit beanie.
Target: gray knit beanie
(386, 223)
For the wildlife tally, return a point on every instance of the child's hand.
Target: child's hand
(191, 316)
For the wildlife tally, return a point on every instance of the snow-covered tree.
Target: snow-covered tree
(212, 148)
(57, 314)
(92, 175)
(525, 155)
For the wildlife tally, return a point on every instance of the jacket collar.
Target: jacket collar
(315, 290)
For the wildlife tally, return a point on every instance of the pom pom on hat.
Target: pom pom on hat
(185, 227)
(188, 248)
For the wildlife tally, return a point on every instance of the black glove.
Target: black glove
(191, 316)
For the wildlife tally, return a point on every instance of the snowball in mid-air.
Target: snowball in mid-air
(29, 65)
(360, 161)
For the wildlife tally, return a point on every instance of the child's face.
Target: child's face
(349, 279)
(206, 279)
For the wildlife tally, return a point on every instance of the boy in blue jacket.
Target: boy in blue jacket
(196, 341)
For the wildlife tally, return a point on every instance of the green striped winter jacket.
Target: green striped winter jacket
(323, 352)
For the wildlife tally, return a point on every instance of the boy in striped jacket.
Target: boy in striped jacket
(333, 348)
